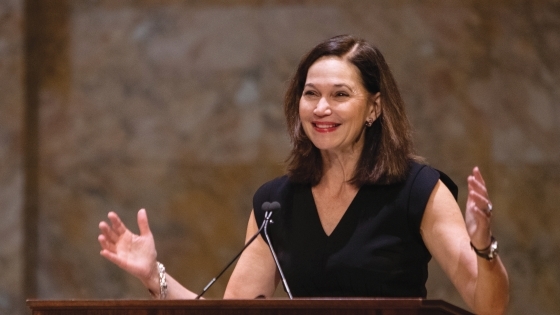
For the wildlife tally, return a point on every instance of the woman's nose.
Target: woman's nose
(322, 108)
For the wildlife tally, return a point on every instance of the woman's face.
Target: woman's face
(335, 105)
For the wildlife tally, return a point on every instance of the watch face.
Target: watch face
(493, 249)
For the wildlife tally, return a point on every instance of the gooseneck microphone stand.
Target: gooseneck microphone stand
(266, 206)
(275, 205)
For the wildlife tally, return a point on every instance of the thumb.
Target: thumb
(143, 222)
(112, 257)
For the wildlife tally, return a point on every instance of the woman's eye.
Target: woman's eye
(341, 94)
(309, 93)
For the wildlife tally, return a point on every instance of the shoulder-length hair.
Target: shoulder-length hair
(388, 149)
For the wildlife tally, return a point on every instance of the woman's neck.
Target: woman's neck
(338, 168)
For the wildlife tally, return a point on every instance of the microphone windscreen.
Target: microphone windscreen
(275, 205)
(265, 206)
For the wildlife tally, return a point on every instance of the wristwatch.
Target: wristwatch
(489, 252)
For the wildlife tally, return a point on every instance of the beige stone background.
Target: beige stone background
(175, 106)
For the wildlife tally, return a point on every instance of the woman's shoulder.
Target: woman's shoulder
(273, 185)
(276, 189)
(273, 190)
(422, 175)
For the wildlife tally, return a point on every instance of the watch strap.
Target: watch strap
(489, 252)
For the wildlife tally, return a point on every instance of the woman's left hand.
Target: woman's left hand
(478, 213)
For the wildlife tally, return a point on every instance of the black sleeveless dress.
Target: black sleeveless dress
(376, 249)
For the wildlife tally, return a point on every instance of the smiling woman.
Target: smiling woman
(335, 106)
(361, 216)
(357, 72)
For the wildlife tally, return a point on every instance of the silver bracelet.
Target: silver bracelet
(162, 282)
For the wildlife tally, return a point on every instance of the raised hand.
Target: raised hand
(136, 254)
(478, 213)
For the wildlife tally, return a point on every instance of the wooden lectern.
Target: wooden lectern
(382, 306)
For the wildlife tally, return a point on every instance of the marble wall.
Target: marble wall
(175, 106)
(11, 157)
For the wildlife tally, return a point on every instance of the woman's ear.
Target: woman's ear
(375, 103)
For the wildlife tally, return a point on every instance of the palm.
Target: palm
(135, 254)
(477, 218)
(472, 221)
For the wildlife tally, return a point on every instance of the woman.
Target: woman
(361, 216)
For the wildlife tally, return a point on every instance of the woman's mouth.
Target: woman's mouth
(325, 126)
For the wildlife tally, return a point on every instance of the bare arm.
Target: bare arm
(482, 284)
(255, 273)
(136, 254)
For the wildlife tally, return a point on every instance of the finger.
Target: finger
(110, 246)
(479, 199)
(478, 175)
(481, 213)
(480, 203)
(476, 185)
(108, 232)
(479, 182)
(143, 222)
(112, 257)
(116, 223)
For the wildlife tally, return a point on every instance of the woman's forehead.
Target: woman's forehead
(333, 70)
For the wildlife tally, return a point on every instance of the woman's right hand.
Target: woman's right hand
(136, 254)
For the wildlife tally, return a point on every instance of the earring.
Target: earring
(369, 122)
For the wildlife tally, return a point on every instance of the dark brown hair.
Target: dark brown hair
(388, 148)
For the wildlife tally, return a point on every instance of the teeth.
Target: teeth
(325, 125)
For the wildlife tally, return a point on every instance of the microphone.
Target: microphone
(268, 208)
(275, 205)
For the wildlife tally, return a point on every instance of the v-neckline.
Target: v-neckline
(343, 219)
